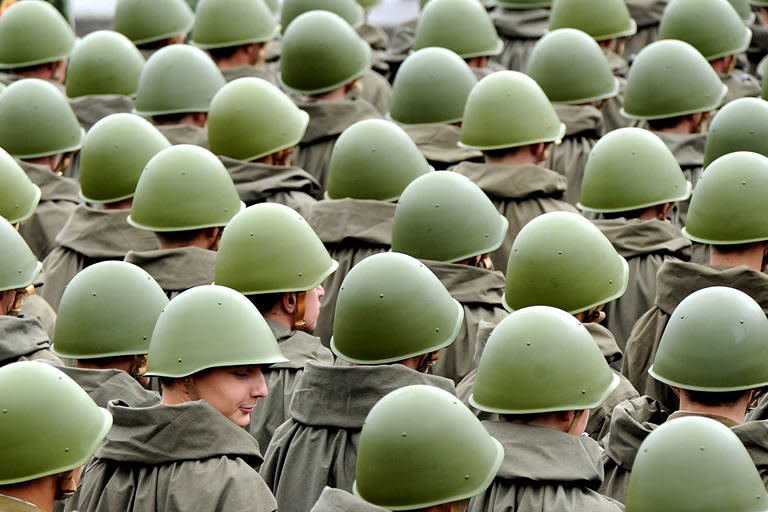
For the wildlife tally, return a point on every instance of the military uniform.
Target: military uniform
(92, 108)
(266, 72)
(520, 30)
(375, 90)
(288, 185)
(645, 244)
(155, 458)
(676, 280)
(635, 419)
(317, 445)
(272, 411)
(8, 504)
(89, 236)
(520, 193)
(104, 386)
(58, 200)
(24, 339)
(34, 306)
(184, 134)
(740, 85)
(647, 14)
(177, 269)
(544, 469)
(439, 144)
(338, 500)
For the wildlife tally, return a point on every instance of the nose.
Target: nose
(259, 385)
(320, 291)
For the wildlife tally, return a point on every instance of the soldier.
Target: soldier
(574, 74)
(728, 218)
(446, 221)
(464, 27)
(583, 272)
(175, 91)
(236, 34)
(185, 197)
(710, 356)
(153, 24)
(107, 315)
(102, 76)
(339, 59)
(548, 463)
(520, 23)
(680, 120)
(372, 163)
(21, 338)
(39, 129)
(632, 180)
(679, 462)
(463, 457)
(428, 99)
(392, 318)
(190, 452)
(114, 154)
(38, 468)
(271, 255)
(741, 125)
(719, 34)
(35, 41)
(509, 118)
(254, 128)
(647, 13)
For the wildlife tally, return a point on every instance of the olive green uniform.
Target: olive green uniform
(90, 235)
(480, 292)
(544, 469)
(178, 269)
(401, 42)
(104, 386)
(259, 183)
(266, 72)
(8, 504)
(91, 109)
(740, 85)
(351, 230)
(34, 306)
(327, 119)
(645, 244)
(520, 30)
(647, 14)
(520, 193)
(24, 339)
(59, 198)
(185, 134)
(439, 144)
(635, 419)
(317, 445)
(375, 90)
(172, 459)
(675, 281)
(281, 378)
(584, 126)
(338, 500)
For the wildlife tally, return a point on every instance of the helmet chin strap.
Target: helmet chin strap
(299, 324)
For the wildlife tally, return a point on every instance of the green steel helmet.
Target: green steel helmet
(653, 92)
(349, 10)
(744, 11)
(274, 5)
(209, 327)
(508, 109)
(270, 248)
(444, 216)
(716, 340)
(534, 345)
(115, 152)
(601, 19)
(561, 259)
(431, 86)
(33, 33)
(322, 52)
(629, 169)
(250, 118)
(391, 307)
(18, 266)
(728, 206)
(104, 62)
(43, 394)
(462, 26)
(107, 310)
(694, 464)
(65, 7)
(374, 159)
(37, 121)
(177, 79)
(421, 423)
(571, 68)
(183, 188)
(147, 21)
(224, 23)
(741, 125)
(713, 27)
(18, 195)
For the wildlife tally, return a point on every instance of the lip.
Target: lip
(247, 409)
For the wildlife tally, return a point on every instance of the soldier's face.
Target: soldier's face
(312, 307)
(231, 390)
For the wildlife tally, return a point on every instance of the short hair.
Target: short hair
(666, 123)
(179, 237)
(715, 398)
(265, 302)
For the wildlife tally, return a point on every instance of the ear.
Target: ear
(288, 302)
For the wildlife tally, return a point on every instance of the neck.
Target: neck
(40, 492)
(113, 363)
(736, 413)
(519, 158)
(334, 95)
(752, 256)
(125, 204)
(51, 162)
(173, 395)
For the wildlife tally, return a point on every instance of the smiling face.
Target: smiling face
(231, 390)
